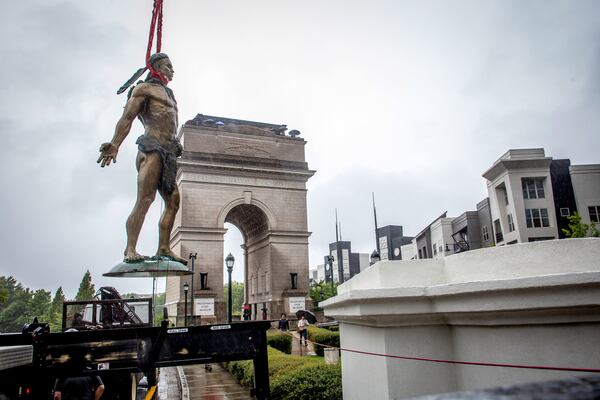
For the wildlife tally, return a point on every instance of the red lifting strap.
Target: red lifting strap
(155, 24)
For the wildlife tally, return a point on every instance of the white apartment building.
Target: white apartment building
(521, 197)
(441, 238)
(586, 185)
(531, 196)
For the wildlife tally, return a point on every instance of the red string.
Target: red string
(159, 28)
(484, 364)
(155, 24)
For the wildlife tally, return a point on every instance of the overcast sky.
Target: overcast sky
(410, 100)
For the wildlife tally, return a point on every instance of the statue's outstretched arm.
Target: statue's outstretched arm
(109, 150)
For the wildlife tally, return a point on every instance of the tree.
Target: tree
(579, 229)
(159, 304)
(237, 296)
(320, 291)
(39, 306)
(86, 288)
(55, 314)
(15, 305)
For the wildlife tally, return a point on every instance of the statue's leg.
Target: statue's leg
(149, 170)
(165, 225)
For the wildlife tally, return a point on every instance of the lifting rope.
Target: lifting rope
(155, 26)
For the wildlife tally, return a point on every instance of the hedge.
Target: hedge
(323, 336)
(294, 377)
(316, 382)
(280, 341)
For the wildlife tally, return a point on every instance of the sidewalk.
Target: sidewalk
(301, 350)
(217, 384)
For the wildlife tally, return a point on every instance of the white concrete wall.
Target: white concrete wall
(532, 303)
(364, 370)
(586, 184)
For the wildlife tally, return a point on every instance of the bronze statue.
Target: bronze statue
(154, 104)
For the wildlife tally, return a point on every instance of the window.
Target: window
(435, 250)
(505, 196)
(498, 228)
(565, 212)
(594, 213)
(441, 249)
(533, 188)
(511, 223)
(485, 233)
(420, 254)
(540, 239)
(537, 217)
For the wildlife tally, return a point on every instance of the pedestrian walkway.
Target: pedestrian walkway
(168, 384)
(217, 384)
(194, 382)
(301, 350)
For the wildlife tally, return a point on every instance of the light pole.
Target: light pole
(193, 258)
(229, 260)
(186, 287)
(329, 266)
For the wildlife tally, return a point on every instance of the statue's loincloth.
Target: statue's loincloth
(168, 155)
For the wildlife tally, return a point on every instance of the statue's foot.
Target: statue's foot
(171, 256)
(134, 257)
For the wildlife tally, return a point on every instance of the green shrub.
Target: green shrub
(280, 341)
(242, 371)
(323, 336)
(286, 370)
(315, 382)
(332, 328)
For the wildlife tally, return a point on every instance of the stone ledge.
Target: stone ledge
(583, 388)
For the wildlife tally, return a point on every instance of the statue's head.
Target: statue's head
(160, 62)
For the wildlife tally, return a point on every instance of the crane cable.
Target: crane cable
(155, 27)
(155, 24)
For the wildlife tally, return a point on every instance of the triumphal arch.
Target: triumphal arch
(252, 175)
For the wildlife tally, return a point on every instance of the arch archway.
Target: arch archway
(246, 174)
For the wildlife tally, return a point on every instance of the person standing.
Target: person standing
(79, 388)
(302, 325)
(284, 324)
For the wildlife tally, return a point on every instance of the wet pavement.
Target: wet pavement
(217, 384)
(168, 384)
(194, 382)
(301, 350)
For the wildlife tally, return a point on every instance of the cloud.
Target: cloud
(410, 100)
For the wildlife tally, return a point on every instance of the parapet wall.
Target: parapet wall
(529, 304)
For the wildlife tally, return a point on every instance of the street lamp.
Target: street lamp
(186, 287)
(329, 267)
(193, 258)
(229, 260)
(375, 258)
